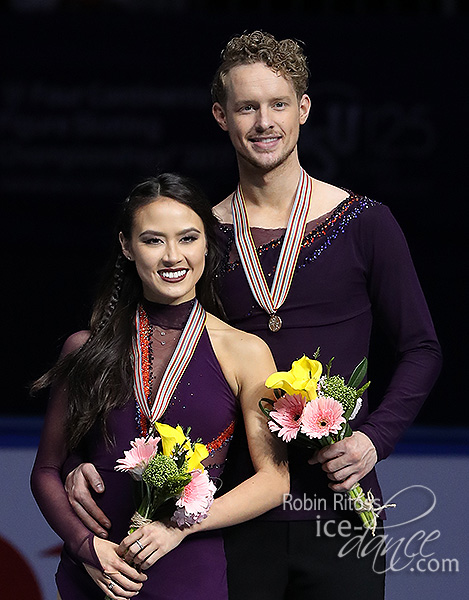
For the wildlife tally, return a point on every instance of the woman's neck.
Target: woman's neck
(171, 316)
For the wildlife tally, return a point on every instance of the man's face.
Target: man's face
(262, 115)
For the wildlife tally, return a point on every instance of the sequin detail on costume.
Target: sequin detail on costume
(345, 212)
(146, 331)
(220, 441)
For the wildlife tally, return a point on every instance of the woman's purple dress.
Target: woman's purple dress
(196, 569)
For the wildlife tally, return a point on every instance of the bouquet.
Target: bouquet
(173, 481)
(313, 410)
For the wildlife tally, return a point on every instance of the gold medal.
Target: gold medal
(275, 323)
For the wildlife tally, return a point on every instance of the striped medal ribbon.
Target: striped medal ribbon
(271, 300)
(177, 365)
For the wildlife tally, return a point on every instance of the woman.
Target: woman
(165, 259)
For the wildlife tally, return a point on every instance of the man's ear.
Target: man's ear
(220, 116)
(305, 107)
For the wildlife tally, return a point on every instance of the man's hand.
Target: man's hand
(77, 486)
(347, 461)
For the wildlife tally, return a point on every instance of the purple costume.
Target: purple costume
(354, 269)
(196, 569)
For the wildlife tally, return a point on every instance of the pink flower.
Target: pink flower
(137, 458)
(287, 415)
(195, 500)
(322, 417)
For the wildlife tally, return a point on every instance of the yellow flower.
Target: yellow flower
(200, 452)
(171, 436)
(302, 378)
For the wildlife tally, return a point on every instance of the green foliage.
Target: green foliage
(160, 469)
(335, 387)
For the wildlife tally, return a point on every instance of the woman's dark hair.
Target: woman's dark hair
(98, 375)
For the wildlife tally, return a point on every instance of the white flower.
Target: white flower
(358, 405)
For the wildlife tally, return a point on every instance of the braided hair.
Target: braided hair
(98, 375)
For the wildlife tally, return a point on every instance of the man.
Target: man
(309, 265)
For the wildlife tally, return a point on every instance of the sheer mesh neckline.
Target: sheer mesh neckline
(263, 236)
(277, 232)
(168, 316)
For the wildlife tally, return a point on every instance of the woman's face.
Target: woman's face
(168, 246)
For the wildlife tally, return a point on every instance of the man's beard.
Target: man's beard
(267, 168)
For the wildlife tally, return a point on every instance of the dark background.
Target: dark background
(96, 97)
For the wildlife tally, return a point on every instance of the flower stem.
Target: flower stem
(363, 507)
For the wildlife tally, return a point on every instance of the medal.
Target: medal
(275, 323)
(271, 300)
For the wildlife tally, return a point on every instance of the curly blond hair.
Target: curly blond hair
(284, 57)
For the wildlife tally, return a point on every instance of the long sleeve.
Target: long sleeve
(46, 482)
(400, 308)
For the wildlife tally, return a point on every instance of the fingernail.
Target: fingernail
(103, 534)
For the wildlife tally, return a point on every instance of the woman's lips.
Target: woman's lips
(173, 276)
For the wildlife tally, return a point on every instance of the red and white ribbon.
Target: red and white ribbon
(271, 300)
(177, 365)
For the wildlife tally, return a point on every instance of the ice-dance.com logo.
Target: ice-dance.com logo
(413, 550)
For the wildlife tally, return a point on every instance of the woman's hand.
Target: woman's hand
(119, 579)
(149, 543)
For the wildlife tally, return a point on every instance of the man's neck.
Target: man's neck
(269, 195)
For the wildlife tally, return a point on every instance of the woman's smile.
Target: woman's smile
(173, 276)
